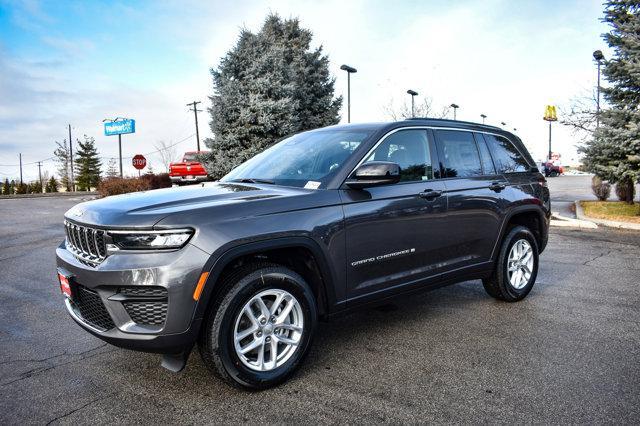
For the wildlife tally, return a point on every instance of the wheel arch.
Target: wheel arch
(302, 254)
(532, 217)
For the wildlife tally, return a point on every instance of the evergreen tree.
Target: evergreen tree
(12, 187)
(112, 170)
(87, 164)
(63, 156)
(6, 187)
(52, 185)
(614, 152)
(270, 85)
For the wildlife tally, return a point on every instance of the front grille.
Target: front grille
(86, 243)
(147, 313)
(91, 309)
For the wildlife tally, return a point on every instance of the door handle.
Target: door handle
(497, 186)
(430, 194)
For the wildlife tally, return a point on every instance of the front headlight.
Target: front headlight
(150, 240)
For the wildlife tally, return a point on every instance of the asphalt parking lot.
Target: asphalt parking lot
(569, 353)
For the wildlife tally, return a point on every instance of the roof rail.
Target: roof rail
(445, 120)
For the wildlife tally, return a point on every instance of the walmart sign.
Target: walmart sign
(120, 127)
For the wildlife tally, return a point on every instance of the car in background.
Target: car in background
(189, 170)
(552, 170)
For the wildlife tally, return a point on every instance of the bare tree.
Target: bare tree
(167, 152)
(580, 115)
(421, 109)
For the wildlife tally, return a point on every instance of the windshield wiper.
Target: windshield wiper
(253, 180)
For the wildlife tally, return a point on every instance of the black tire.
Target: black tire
(216, 343)
(498, 284)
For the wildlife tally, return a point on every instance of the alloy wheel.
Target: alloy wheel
(268, 330)
(520, 264)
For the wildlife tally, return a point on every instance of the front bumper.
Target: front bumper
(141, 301)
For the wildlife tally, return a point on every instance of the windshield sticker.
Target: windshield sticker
(312, 184)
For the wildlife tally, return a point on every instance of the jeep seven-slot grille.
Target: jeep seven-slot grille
(91, 309)
(86, 243)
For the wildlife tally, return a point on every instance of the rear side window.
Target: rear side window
(487, 162)
(461, 158)
(505, 155)
(410, 149)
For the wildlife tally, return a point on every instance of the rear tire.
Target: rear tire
(516, 268)
(280, 338)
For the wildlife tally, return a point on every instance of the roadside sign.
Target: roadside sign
(139, 162)
(550, 113)
(120, 127)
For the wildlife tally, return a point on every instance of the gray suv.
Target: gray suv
(321, 223)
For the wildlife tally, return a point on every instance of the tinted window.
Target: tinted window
(487, 163)
(460, 153)
(505, 156)
(410, 149)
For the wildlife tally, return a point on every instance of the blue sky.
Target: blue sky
(78, 62)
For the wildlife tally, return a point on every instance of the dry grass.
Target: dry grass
(612, 210)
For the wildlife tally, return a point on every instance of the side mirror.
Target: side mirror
(374, 173)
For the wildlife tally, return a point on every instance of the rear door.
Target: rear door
(474, 191)
(395, 233)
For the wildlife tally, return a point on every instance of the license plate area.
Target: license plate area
(65, 280)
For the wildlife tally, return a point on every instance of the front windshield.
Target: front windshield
(305, 160)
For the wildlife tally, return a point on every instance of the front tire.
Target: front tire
(516, 268)
(260, 330)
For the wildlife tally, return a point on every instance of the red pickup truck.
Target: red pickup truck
(189, 170)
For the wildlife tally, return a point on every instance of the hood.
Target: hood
(145, 209)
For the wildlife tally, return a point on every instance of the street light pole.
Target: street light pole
(412, 93)
(349, 71)
(483, 117)
(455, 107)
(598, 56)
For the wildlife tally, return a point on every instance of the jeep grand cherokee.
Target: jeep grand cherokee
(323, 222)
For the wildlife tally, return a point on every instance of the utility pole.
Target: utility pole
(195, 110)
(20, 156)
(40, 175)
(73, 181)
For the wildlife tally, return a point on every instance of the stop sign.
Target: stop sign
(139, 162)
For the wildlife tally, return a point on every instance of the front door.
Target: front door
(395, 233)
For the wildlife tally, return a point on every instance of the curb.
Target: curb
(568, 222)
(604, 222)
(49, 195)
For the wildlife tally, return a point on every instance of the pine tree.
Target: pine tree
(6, 187)
(64, 164)
(270, 85)
(87, 164)
(52, 185)
(112, 170)
(614, 152)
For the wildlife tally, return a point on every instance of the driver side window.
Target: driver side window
(410, 150)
